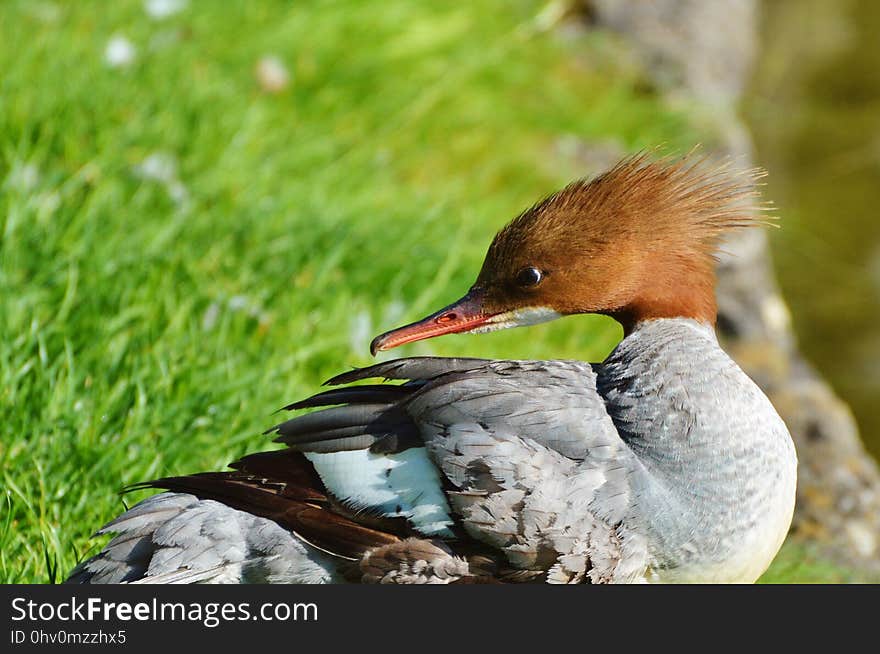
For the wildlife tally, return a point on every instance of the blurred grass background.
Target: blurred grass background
(182, 252)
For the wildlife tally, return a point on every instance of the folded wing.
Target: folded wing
(531, 462)
(468, 470)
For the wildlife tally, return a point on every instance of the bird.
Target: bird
(664, 463)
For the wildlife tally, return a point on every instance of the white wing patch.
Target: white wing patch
(404, 484)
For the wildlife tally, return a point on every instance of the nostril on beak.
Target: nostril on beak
(447, 317)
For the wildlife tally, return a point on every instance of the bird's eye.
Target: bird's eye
(529, 276)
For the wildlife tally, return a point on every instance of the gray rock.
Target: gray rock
(702, 51)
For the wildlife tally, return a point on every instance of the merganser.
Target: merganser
(664, 463)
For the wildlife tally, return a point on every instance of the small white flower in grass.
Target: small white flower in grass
(179, 193)
(272, 74)
(23, 177)
(120, 52)
(159, 167)
(238, 303)
(250, 307)
(209, 318)
(47, 204)
(162, 167)
(159, 9)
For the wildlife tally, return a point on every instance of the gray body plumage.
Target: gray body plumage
(712, 490)
(664, 463)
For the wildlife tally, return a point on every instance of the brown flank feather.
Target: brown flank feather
(283, 487)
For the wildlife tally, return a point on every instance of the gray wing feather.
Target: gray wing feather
(542, 471)
(178, 538)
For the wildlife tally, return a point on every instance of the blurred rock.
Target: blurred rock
(702, 47)
(702, 51)
(592, 157)
(272, 74)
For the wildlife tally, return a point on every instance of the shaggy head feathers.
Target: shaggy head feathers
(636, 242)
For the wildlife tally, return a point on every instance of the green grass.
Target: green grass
(803, 562)
(150, 327)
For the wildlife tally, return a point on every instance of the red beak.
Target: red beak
(461, 316)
